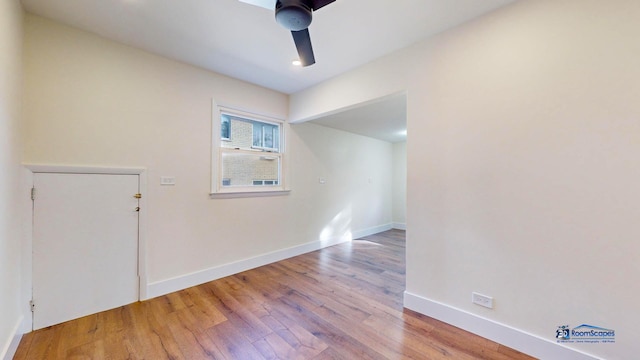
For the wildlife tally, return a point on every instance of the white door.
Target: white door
(85, 245)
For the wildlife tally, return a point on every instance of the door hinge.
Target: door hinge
(32, 305)
(137, 196)
(33, 193)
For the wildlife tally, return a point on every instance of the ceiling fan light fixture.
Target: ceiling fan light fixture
(296, 16)
(293, 15)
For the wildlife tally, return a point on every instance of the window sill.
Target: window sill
(248, 194)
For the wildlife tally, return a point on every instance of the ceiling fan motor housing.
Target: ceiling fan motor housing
(294, 15)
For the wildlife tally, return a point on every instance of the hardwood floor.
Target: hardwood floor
(342, 302)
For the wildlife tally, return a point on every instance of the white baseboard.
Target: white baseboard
(10, 348)
(164, 287)
(370, 231)
(400, 226)
(503, 334)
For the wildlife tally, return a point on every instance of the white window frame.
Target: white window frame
(219, 191)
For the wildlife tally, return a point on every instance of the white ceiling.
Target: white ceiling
(383, 119)
(245, 42)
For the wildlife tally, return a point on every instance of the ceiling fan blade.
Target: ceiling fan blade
(317, 4)
(267, 4)
(303, 44)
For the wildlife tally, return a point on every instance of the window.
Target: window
(249, 155)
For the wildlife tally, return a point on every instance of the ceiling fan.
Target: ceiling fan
(295, 15)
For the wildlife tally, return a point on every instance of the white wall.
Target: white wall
(523, 172)
(10, 173)
(90, 101)
(400, 185)
(357, 174)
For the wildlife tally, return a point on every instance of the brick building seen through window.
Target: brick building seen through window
(250, 152)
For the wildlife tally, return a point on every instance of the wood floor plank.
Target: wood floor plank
(232, 342)
(193, 343)
(342, 302)
(240, 316)
(157, 324)
(326, 332)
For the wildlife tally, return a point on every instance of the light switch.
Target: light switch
(167, 180)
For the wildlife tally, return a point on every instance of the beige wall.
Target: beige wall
(10, 171)
(523, 171)
(357, 174)
(94, 102)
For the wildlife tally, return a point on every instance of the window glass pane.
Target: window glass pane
(250, 170)
(267, 135)
(257, 134)
(276, 138)
(225, 128)
(249, 153)
(246, 134)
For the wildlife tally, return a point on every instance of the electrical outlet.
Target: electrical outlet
(482, 300)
